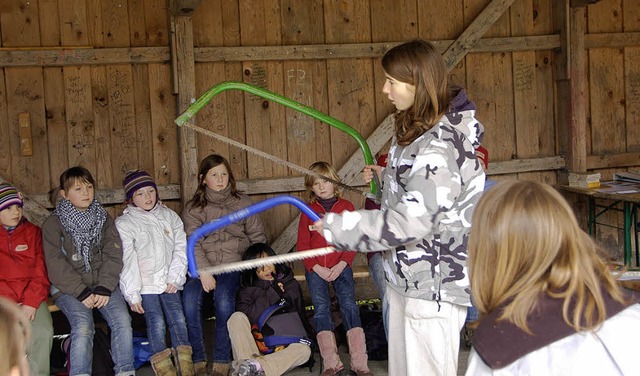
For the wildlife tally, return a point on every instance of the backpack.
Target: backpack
(373, 327)
(278, 326)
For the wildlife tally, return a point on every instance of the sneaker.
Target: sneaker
(246, 367)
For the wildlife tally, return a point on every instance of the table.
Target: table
(616, 192)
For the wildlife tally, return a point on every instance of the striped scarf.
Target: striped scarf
(84, 226)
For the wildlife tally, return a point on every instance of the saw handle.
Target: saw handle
(230, 218)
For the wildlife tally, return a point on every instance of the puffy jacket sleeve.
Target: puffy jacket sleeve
(193, 218)
(37, 289)
(130, 278)
(431, 188)
(61, 273)
(109, 275)
(178, 268)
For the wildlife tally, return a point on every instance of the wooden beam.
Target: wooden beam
(182, 49)
(115, 196)
(577, 139)
(613, 160)
(182, 8)
(582, 3)
(489, 15)
(33, 211)
(517, 166)
(58, 57)
(561, 71)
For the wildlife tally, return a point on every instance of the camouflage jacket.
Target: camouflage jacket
(430, 190)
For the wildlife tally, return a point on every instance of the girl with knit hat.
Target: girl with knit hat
(24, 276)
(83, 254)
(155, 265)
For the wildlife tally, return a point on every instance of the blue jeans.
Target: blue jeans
(154, 305)
(380, 280)
(224, 302)
(82, 329)
(343, 286)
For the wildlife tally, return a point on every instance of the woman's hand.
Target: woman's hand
(367, 173)
(208, 282)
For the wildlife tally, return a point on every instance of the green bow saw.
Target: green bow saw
(297, 106)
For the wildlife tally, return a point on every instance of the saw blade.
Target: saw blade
(268, 156)
(255, 263)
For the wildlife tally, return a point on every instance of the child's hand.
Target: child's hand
(323, 272)
(208, 282)
(367, 172)
(137, 308)
(336, 270)
(90, 301)
(281, 286)
(319, 226)
(171, 289)
(28, 312)
(101, 301)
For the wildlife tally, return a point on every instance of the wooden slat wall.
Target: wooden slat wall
(117, 114)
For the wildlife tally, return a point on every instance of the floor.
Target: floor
(378, 368)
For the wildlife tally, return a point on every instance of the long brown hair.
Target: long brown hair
(525, 241)
(418, 63)
(199, 198)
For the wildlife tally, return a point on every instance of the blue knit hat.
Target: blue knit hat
(135, 180)
(9, 196)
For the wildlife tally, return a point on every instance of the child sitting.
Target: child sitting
(24, 276)
(155, 265)
(83, 254)
(260, 288)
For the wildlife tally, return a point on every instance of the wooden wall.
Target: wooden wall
(95, 77)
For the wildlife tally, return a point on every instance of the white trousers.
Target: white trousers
(424, 338)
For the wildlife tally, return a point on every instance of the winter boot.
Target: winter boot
(331, 363)
(183, 360)
(200, 369)
(220, 369)
(161, 363)
(358, 352)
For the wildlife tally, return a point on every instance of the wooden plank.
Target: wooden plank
(301, 142)
(5, 133)
(103, 172)
(26, 95)
(142, 117)
(583, 3)
(79, 117)
(606, 82)
(522, 166)
(616, 160)
(64, 56)
(632, 78)
(543, 60)
(20, 25)
(562, 66)
(164, 135)
(351, 97)
(577, 148)
(475, 31)
(137, 23)
(489, 83)
(156, 25)
(183, 50)
(74, 24)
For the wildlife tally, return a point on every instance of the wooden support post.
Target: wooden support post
(490, 14)
(577, 140)
(184, 79)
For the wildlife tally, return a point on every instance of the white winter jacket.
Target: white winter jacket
(154, 251)
(609, 350)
